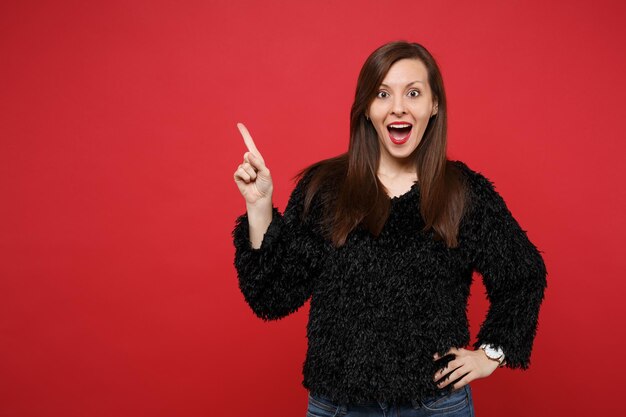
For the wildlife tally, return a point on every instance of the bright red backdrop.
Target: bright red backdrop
(118, 296)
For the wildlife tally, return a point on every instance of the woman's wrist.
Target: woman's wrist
(493, 353)
(259, 219)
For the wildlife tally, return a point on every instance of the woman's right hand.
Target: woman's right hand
(252, 176)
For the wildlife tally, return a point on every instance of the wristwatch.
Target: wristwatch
(493, 353)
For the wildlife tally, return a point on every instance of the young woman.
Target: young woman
(384, 240)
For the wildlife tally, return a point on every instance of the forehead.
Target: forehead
(405, 71)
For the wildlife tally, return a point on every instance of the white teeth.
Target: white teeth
(399, 126)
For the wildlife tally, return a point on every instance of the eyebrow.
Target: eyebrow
(412, 82)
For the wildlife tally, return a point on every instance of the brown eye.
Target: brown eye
(417, 93)
(380, 94)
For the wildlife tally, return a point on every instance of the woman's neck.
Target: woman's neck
(393, 170)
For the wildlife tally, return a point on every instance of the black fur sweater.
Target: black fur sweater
(381, 307)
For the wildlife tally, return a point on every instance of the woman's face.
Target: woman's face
(402, 107)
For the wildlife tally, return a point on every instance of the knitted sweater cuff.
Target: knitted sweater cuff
(241, 233)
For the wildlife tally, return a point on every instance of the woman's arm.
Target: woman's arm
(276, 279)
(513, 272)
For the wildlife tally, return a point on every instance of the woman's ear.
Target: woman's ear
(435, 109)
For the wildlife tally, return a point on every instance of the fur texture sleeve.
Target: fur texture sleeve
(512, 269)
(276, 278)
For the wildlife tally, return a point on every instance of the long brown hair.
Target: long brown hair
(358, 197)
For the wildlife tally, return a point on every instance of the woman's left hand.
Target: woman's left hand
(473, 364)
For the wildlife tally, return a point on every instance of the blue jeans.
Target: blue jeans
(457, 403)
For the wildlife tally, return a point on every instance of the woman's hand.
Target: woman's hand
(252, 176)
(473, 364)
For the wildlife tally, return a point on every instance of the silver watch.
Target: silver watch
(493, 353)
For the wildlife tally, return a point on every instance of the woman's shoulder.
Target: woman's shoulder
(465, 169)
(311, 182)
(323, 174)
(480, 189)
(476, 178)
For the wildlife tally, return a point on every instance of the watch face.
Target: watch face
(492, 353)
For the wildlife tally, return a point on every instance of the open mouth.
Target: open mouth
(399, 132)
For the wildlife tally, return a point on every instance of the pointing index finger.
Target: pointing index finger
(248, 140)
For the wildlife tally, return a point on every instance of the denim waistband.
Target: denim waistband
(377, 404)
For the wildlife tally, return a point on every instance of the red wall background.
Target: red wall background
(118, 296)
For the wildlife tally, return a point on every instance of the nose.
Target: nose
(398, 105)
